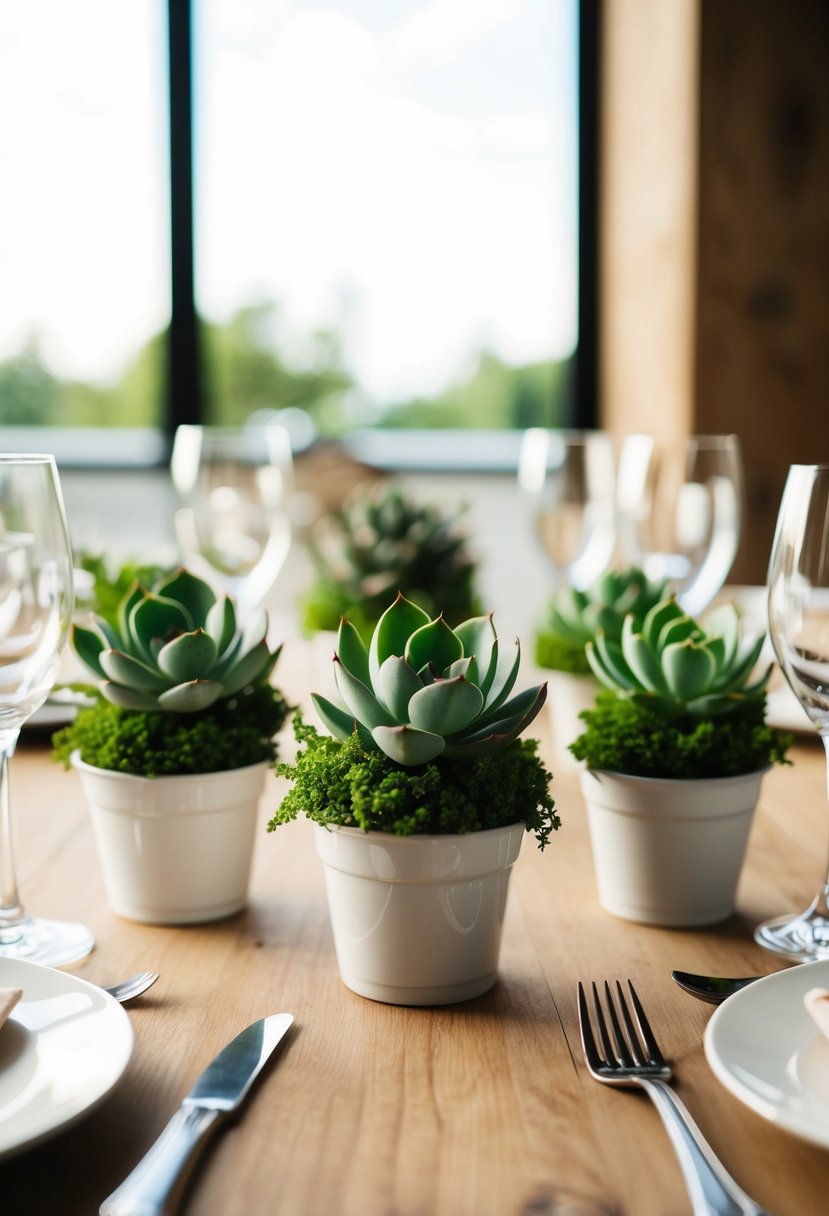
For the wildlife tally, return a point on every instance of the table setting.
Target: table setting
(256, 1062)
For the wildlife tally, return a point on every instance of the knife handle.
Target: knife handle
(155, 1185)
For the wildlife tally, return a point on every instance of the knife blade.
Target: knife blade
(156, 1184)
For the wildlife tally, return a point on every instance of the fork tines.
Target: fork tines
(631, 1047)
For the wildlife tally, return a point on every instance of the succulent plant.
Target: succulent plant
(577, 616)
(676, 667)
(382, 542)
(422, 690)
(175, 647)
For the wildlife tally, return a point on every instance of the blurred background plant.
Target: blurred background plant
(381, 542)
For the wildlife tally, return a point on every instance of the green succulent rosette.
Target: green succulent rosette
(422, 690)
(176, 647)
(675, 667)
(573, 617)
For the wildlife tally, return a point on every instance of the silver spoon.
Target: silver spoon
(711, 988)
(127, 989)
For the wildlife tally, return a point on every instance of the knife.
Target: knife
(156, 1184)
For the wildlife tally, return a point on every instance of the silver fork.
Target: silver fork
(630, 1055)
(130, 988)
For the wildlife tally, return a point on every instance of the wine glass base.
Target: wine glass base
(800, 939)
(53, 943)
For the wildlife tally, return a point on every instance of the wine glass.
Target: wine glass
(233, 524)
(570, 477)
(798, 600)
(35, 610)
(679, 510)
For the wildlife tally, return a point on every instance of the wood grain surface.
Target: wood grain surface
(372, 1110)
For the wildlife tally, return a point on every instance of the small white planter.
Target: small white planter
(417, 920)
(567, 696)
(669, 852)
(174, 850)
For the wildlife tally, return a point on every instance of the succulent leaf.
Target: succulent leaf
(408, 745)
(392, 632)
(221, 624)
(187, 656)
(124, 669)
(396, 686)
(192, 593)
(359, 700)
(88, 644)
(433, 643)
(352, 650)
(447, 706)
(190, 697)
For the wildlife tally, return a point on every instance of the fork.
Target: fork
(632, 1057)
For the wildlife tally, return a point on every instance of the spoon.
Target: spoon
(127, 989)
(711, 988)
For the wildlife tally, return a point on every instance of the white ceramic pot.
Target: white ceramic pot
(174, 850)
(669, 852)
(567, 696)
(417, 919)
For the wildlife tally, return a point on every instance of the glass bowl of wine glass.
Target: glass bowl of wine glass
(233, 522)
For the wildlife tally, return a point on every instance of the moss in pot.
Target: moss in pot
(174, 751)
(676, 748)
(420, 797)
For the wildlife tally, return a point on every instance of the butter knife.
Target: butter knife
(156, 1184)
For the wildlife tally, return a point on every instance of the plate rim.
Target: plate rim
(800, 978)
(64, 983)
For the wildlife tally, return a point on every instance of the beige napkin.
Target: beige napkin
(8, 999)
(816, 1001)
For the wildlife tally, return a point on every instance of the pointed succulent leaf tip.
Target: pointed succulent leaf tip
(340, 723)
(123, 669)
(660, 616)
(396, 686)
(465, 667)
(221, 624)
(434, 643)
(88, 645)
(352, 651)
(359, 700)
(191, 592)
(479, 638)
(680, 630)
(515, 710)
(505, 677)
(189, 698)
(407, 745)
(446, 706)
(128, 698)
(724, 622)
(188, 656)
(392, 632)
(641, 659)
(153, 617)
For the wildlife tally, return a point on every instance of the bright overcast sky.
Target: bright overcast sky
(403, 171)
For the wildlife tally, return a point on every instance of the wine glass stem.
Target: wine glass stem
(820, 907)
(12, 915)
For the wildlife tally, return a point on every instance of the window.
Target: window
(84, 251)
(385, 211)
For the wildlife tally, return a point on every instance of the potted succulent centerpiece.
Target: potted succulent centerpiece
(383, 541)
(174, 751)
(676, 749)
(571, 620)
(419, 798)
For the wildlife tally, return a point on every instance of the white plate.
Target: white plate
(764, 1047)
(64, 1047)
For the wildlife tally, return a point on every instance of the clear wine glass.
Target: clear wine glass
(35, 611)
(233, 523)
(798, 600)
(679, 510)
(570, 477)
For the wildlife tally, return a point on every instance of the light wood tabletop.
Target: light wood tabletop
(483, 1108)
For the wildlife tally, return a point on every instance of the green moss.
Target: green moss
(624, 738)
(233, 733)
(555, 653)
(342, 783)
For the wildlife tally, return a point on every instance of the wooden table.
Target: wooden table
(373, 1110)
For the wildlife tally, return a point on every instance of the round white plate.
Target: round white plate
(64, 1047)
(764, 1047)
